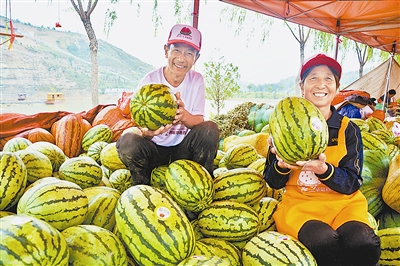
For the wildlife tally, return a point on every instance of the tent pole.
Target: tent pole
(195, 14)
(388, 78)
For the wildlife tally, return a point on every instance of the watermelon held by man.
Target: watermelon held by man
(153, 106)
(298, 130)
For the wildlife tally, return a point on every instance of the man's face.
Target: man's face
(181, 57)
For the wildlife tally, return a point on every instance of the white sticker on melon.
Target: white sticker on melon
(316, 124)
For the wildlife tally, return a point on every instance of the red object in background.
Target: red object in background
(58, 25)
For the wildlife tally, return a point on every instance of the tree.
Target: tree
(93, 44)
(221, 82)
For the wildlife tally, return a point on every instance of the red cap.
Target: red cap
(185, 34)
(321, 59)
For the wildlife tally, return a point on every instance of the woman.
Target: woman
(327, 212)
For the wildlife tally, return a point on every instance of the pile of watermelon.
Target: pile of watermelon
(58, 209)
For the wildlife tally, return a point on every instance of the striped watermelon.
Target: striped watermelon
(95, 134)
(5, 213)
(37, 164)
(101, 211)
(239, 156)
(16, 144)
(375, 123)
(196, 228)
(13, 179)
(372, 142)
(384, 134)
(258, 165)
(390, 246)
(273, 248)
(219, 171)
(218, 157)
(153, 106)
(58, 202)
(361, 123)
(298, 129)
(240, 184)
(52, 151)
(109, 157)
(153, 227)
(26, 240)
(189, 184)
(223, 249)
(203, 249)
(82, 170)
(121, 179)
(94, 245)
(389, 218)
(265, 209)
(91, 192)
(157, 177)
(94, 150)
(390, 191)
(204, 260)
(229, 220)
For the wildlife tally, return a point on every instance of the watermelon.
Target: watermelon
(26, 240)
(82, 170)
(229, 220)
(153, 106)
(101, 210)
(13, 179)
(157, 177)
(16, 144)
(204, 260)
(265, 208)
(189, 184)
(273, 248)
(223, 249)
(52, 151)
(153, 227)
(94, 245)
(390, 246)
(94, 150)
(240, 155)
(95, 134)
(121, 179)
(58, 202)
(109, 157)
(240, 184)
(37, 164)
(298, 130)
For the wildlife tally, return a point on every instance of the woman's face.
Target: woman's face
(319, 86)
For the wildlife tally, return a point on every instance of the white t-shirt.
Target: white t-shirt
(192, 94)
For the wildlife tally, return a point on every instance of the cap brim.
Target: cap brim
(185, 42)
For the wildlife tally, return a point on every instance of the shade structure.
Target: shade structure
(374, 23)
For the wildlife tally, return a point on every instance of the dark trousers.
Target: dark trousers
(353, 243)
(141, 155)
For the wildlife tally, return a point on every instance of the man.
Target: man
(189, 136)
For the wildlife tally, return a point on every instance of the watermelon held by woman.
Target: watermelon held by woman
(153, 106)
(298, 130)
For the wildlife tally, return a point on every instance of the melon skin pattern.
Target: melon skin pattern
(13, 179)
(298, 129)
(273, 248)
(153, 227)
(153, 106)
(26, 240)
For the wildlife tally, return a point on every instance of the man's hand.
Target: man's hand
(149, 134)
(181, 111)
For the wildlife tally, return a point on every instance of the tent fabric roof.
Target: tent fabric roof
(374, 82)
(375, 23)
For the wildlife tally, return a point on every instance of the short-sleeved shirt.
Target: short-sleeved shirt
(192, 93)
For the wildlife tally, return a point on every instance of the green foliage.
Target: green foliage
(221, 82)
(234, 121)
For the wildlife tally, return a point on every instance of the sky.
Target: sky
(259, 63)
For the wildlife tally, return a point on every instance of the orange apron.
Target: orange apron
(306, 198)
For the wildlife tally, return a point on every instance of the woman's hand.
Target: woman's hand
(318, 166)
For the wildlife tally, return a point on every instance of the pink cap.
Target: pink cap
(185, 34)
(321, 59)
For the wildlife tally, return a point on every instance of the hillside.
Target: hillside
(47, 60)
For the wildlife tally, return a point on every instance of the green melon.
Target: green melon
(298, 129)
(26, 240)
(13, 179)
(97, 133)
(153, 106)
(16, 144)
